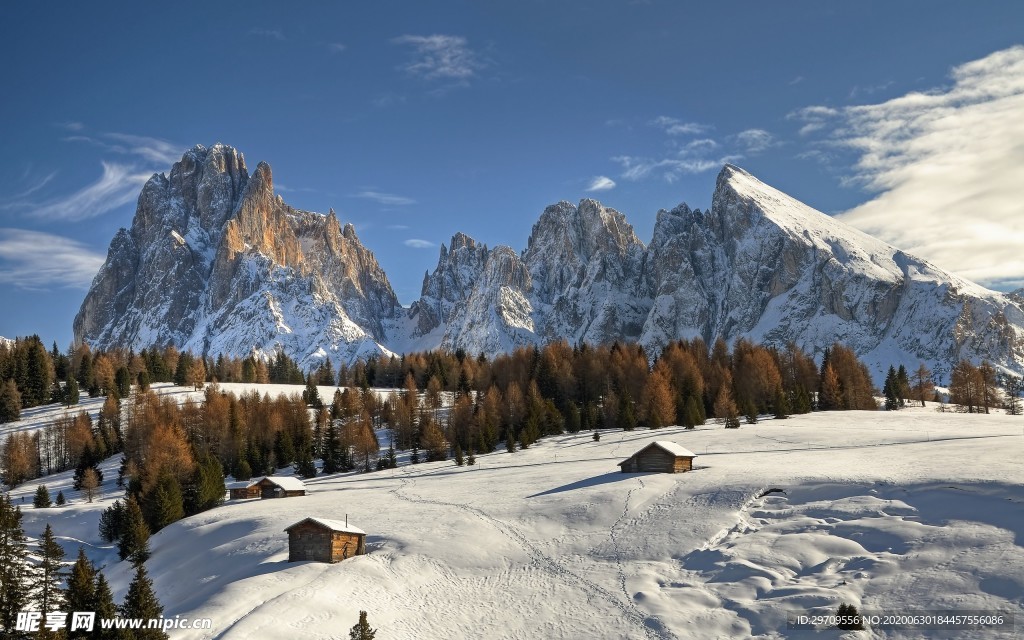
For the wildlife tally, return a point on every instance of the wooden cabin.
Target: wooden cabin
(280, 487)
(243, 489)
(659, 457)
(267, 487)
(322, 540)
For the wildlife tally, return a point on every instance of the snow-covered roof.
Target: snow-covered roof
(333, 525)
(241, 484)
(288, 483)
(670, 447)
(675, 449)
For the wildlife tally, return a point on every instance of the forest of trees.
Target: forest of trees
(175, 454)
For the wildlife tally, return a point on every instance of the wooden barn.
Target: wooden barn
(267, 487)
(659, 457)
(321, 540)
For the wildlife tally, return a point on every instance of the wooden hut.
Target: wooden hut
(280, 487)
(659, 457)
(267, 487)
(242, 489)
(322, 540)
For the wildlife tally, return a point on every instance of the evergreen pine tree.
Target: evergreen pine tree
(890, 390)
(123, 382)
(392, 457)
(133, 543)
(71, 393)
(15, 572)
(361, 630)
(902, 386)
(141, 602)
(781, 405)
(459, 460)
(81, 591)
(10, 402)
(597, 435)
(105, 609)
(42, 497)
(414, 457)
(163, 504)
(112, 521)
(305, 466)
(848, 618)
(471, 460)
(47, 591)
(243, 471)
(61, 501)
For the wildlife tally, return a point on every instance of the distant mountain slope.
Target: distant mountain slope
(216, 263)
(759, 264)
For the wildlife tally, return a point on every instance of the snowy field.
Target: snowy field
(892, 512)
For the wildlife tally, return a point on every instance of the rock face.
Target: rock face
(759, 265)
(216, 263)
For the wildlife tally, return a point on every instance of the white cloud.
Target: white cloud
(676, 127)
(416, 243)
(117, 186)
(36, 260)
(152, 150)
(601, 183)
(815, 118)
(755, 140)
(336, 47)
(398, 227)
(670, 169)
(440, 57)
(948, 166)
(385, 198)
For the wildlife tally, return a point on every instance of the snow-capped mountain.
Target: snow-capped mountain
(759, 264)
(216, 263)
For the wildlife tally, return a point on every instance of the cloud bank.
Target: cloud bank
(947, 166)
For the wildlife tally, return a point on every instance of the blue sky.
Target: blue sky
(416, 120)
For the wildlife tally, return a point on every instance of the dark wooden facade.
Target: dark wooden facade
(241, 493)
(655, 458)
(316, 541)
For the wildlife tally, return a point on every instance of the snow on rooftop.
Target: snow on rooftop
(333, 525)
(288, 483)
(675, 449)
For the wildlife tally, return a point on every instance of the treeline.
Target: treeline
(44, 585)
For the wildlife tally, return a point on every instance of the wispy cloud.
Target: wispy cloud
(755, 140)
(601, 183)
(35, 260)
(670, 169)
(416, 243)
(336, 47)
(150, 149)
(815, 118)
(795, 81)
(440, 57)
(34, 187)
(118, 185)
(70, 125)
(389, 199)
(676, 127)
(946, 165)
(274, 34)
(859, 90)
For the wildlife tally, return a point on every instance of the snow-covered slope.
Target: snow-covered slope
(799, 515)
(216, 263)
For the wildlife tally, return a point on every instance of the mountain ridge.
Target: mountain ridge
(238, 271)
